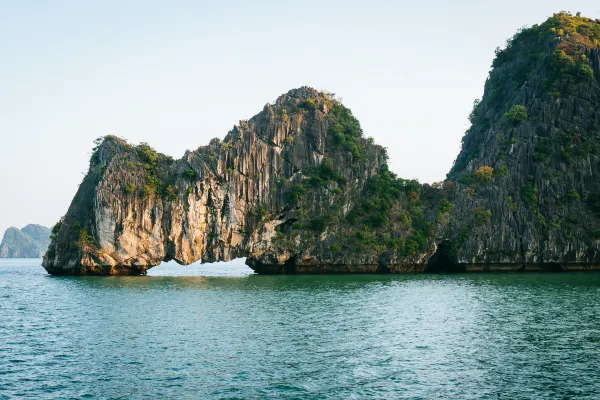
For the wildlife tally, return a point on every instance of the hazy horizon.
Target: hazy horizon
(177, 75)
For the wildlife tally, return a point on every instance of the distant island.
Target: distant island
(298, 188)
(29, 242)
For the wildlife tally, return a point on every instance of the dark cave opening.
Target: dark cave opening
(442, 261)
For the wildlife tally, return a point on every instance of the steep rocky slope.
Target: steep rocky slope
(299, 189)
(528, 173)
(29, 242)
(296, 188)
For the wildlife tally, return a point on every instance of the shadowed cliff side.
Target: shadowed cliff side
(528, 173)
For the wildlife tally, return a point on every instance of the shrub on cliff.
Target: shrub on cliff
(295, 194)
(346, 131)
(502, 171)
(318, 224)
(444, 206)
(323, 173)
(516, 114)
(56, 228)
(170, 193)
(85, 239)
(380, 194)
(529, 194)
(152, 161)
(310, 104)
(485, 174)
(191, 174)
(593, 202)
(415, 243)
(573, 195)
(146, 153)
(482, 216)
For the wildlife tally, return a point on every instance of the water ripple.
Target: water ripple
(234, 335)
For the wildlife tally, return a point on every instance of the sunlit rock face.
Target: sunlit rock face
(239, 197)
(299, 189)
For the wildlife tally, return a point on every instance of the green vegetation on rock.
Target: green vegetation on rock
(485, 174)
(298, 188)
(295, 194)
(553, 56)
(85, 239)
(323, 173)
(346, 131)
(381, 192)
(516, 114)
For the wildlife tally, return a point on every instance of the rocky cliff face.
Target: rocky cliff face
(29, 242)
(528, 173)
(299, 189)
(278, 190)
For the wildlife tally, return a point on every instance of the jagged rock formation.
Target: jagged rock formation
(298, 189)
(528, 173)
(277, 190)
(29, 242)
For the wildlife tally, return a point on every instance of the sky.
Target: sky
(177, 73)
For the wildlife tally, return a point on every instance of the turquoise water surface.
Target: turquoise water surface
(233, 335)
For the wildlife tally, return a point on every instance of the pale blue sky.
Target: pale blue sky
(177, 73)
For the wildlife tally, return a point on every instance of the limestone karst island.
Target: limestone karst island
(299, 188)
(31, 241)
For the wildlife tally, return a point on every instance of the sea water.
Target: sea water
(221, 332)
